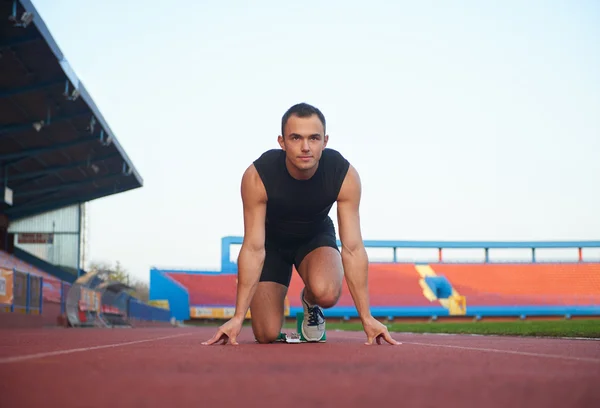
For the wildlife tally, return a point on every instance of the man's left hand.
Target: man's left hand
(375, 330)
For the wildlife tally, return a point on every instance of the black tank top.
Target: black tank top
(299, 209)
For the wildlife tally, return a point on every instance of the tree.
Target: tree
(141, 290)
(119, 274)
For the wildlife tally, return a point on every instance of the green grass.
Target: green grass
(544, 328)
(552, 328)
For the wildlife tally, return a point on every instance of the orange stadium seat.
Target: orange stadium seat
(208, 289)
(524, 284)
(393, 286)
(389, 285)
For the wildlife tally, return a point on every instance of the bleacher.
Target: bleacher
(417, 289)
(208, 289)
(51, 286)
(525, 284)
(52, 292)
(390, 285)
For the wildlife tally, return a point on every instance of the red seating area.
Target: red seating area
(208, 290)
(389, 285)
(51, 289)
(398, 285)
(524, 284)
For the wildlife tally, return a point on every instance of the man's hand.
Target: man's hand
(375, 330)
(227, 332)
(251, 257)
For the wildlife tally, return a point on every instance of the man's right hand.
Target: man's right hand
(227, 332)
(252, 254)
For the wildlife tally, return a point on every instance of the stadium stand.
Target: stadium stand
(208, 290)
(51, 290)
(389, 285)
(57, 152)
(525, 284)
(414, 289)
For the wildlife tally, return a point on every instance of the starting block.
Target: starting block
(289, 338)
(298, 337)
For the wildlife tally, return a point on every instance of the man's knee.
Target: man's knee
(325, 293)
(266, 329)
(322, 272)
(266, 335)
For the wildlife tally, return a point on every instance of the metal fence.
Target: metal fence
(21, 292)
(89, 301)
(93, 300)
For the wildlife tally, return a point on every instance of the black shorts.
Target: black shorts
(279, 259)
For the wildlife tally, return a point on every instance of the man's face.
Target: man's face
(303, 140)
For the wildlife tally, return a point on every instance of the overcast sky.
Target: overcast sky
(466, 120)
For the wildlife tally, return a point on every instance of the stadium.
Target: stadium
(58, 154)
(432, 287)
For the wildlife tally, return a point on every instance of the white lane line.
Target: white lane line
(496, 336)
(16, 359)
(520, 353)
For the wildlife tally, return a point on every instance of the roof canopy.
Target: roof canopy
(56, 149)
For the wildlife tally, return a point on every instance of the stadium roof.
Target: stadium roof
(56, 149)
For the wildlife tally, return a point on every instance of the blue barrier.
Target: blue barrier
(163, 287)
(142, 311)
(474, 311)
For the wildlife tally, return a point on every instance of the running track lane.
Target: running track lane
(30, 341)
(151, 368)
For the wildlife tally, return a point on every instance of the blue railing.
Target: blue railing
(229, 266)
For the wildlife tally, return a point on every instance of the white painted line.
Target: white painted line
(500, 336)
(520, 353)
(17, 359)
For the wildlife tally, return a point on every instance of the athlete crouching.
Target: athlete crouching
(287, 194)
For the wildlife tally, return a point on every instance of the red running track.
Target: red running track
(169, 367)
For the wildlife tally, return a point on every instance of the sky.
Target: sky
(466, 120)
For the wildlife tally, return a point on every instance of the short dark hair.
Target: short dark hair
(302, 110)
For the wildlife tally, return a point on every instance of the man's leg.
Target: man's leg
(322, 273)
(267, 309)
(268, 303)
(320, 267)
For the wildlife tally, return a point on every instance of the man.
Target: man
(287, 194)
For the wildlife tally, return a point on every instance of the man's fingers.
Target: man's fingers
(221, 338)
(232, 337)
(218, 335)
(378, 336)
(212, 339)
(389, 338)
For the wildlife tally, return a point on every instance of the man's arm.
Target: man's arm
(354, 255)
(252, 253)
